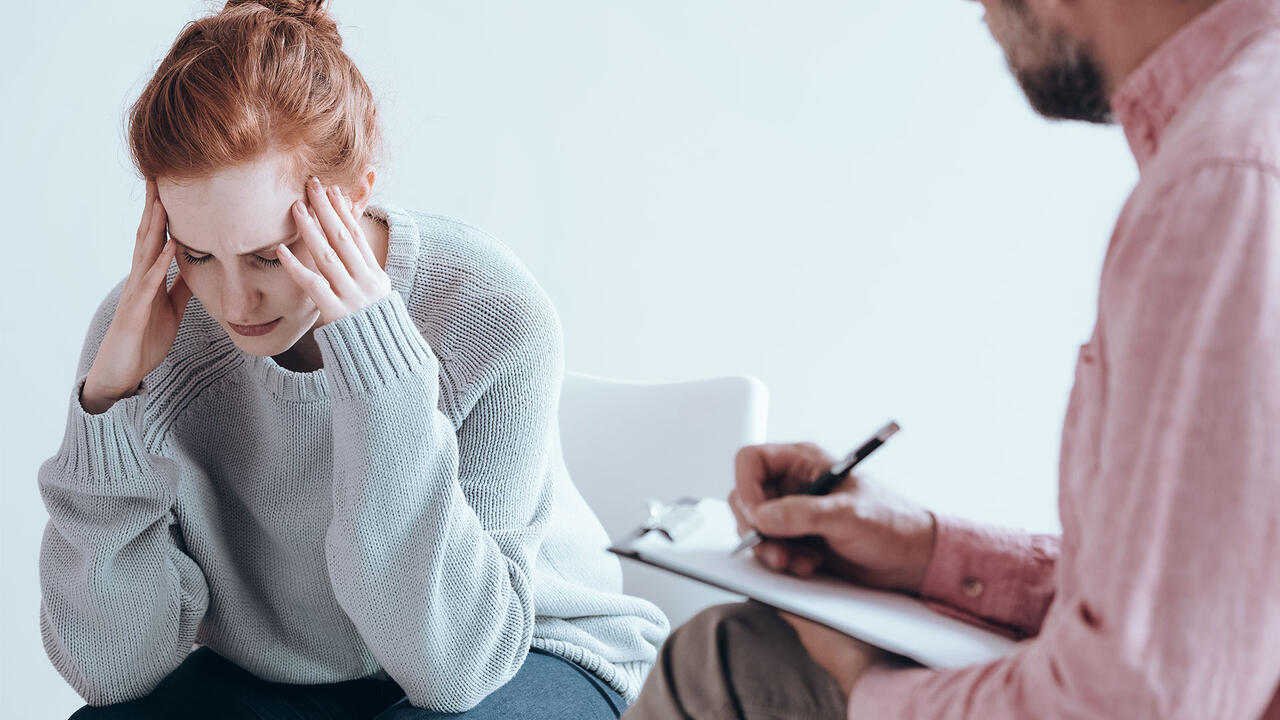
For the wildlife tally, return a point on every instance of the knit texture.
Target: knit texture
(405, 511)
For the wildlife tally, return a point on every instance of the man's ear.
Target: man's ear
(363, 192)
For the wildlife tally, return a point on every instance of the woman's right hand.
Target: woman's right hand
(146, 318)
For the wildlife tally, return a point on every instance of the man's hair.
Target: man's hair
(259, 75)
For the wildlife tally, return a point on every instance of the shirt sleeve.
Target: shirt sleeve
(1169, 609)
(120, 600)
(435, 527)
(998, 578)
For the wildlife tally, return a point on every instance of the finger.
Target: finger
(798, 465)
(750, 472)
(149, 197)
(323, 206)
(797, 557)
(740, 514)
(369, 256)
(145, 246)
(761, 471)
(312, 283)
(179, 296)
(774, 555)
(800, 515)
(329, 265)
(804, 561)
(358, 248)
(158, 232)
(159, 268)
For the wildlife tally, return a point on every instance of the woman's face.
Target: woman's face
(225, 228)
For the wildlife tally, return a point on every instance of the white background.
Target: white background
(850, 200)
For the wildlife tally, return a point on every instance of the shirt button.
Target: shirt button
(972, 587)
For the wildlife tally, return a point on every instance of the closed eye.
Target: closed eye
(258, 259)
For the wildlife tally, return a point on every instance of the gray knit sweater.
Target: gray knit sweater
(404, 511)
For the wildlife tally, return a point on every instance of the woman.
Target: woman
(338, 472)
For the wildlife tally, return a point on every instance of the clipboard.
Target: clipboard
(694, 538)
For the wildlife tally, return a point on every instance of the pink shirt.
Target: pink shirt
(1162, 598)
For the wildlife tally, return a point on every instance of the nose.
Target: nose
(241, 300)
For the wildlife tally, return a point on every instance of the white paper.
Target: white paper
(891, 621)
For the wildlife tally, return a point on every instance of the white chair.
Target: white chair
(626, 443)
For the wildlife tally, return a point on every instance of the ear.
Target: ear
(362, 193)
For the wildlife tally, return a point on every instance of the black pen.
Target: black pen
(831, 478)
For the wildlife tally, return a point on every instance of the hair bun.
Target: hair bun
(311, 12)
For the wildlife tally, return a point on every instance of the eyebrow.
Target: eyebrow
(272, 246)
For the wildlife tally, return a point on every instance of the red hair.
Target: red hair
(259, 75)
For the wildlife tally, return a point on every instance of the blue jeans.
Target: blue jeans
(206, 685)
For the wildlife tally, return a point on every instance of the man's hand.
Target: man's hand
(844, 658)
(862, 531)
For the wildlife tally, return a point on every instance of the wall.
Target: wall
(850, 200)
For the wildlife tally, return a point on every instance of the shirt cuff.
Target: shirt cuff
(372, 347)
(1001, 579)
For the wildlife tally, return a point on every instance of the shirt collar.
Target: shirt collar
(1147, 100)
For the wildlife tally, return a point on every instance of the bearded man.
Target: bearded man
(1161, 597)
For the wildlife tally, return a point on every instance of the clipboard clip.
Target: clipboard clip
(674, 520)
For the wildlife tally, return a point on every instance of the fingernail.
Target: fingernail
(315, 182)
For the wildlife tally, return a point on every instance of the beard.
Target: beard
(1069, 85)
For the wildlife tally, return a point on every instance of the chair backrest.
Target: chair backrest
(626, 443)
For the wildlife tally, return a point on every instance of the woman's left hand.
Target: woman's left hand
(349, 277)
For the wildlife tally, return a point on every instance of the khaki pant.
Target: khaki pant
(737, 662)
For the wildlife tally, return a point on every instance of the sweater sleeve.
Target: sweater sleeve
(1002, 579)
(1170, 608)
(120, 602)
(435, 530)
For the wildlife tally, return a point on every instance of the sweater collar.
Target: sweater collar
(1147, 101)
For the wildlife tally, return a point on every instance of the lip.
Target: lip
(255, 330)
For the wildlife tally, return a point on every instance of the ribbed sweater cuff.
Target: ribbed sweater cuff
(626, 678)
(371, 348)
(102, 451)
